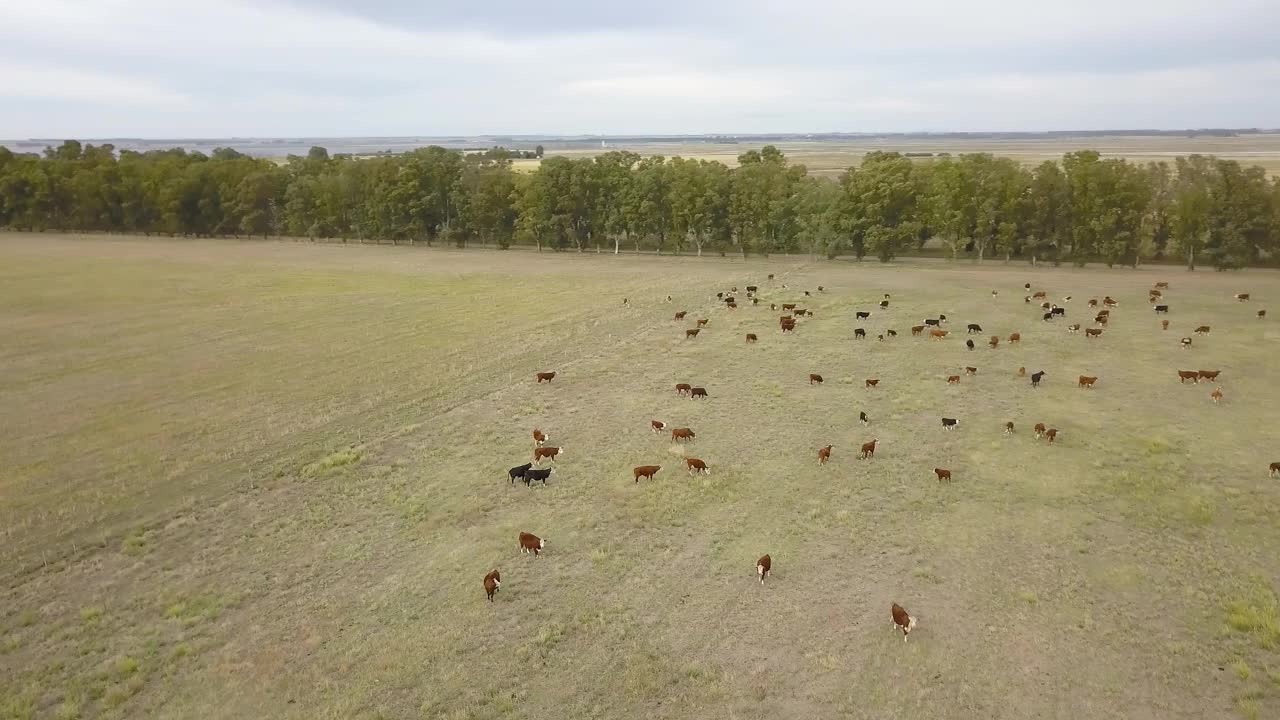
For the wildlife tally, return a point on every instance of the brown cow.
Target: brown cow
(1022, 372)
(682, 388)
(1108, 302)
(971, 370)
(539, 437)
(1008, 428)
(492, 582)
(917, 329)
(799, 312)
(1015, 337)
(1104, 313)
(680, 315)
(902, 621)
(548, 453)
(942, 474)
(697, 392)
(657, 425)
(872, 382)
(868, 448)
(751, 337)
(1038, 295)
(691, 333)
(1202, 330)
(937, 334)
(953, 379)
(678, 434)
(548, 376)
(824, 454)
(1185, 375)
(1051, 434)
(703, 322)
(763, 565)
(788, 325)
(731, 305)
(1242, 296)
(1086, 381)
(1262, 314)
(1092, 332)
(1162, 285)
(530, 543)
(1039, 429)
(1093, 302)
(1164, 324)
(994, 342)
(788, 306)
(645, 471)
(1101, 319)
(696, 466)
(1275, 469)
(1073, 328)
(1208, 374)
(1216, 394)
(815, 378)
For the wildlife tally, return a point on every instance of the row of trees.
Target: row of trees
(1081, 208)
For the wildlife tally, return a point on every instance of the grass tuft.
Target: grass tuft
(331, 461)
(1259, 616)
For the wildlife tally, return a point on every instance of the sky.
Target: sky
(289, 68)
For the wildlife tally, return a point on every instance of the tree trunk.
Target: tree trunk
(980, 249)
(1191, 259)
(617, 241)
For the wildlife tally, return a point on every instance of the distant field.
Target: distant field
(264, 480)
(831, 158)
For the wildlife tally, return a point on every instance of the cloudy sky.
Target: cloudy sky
(217, 68)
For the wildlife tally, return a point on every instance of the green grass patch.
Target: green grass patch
(331, 461)
(1257, 615)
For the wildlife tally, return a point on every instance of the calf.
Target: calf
(1208, 374)
(657, 425)
(678, 434)
(969, 344)
(1008, 428)
(994, 342)
(862, 315)
(539, 437)
(492, 582)
(1092, 332)
(682, 388)
(868, 449)
(547, 376)
(953, 379)
(751, 337)
(680, 315)
(937, 334)
(518, 472)
(645, 471)
(824, 454)
(1073, 328)
(1164, 324)
(1039, 429)
(692, 333)
(530, 543)
(702, 322)
(815, 378)
(872, 382)
(1086, 381)
(1161, 308)
(859, 333)
(1022, 372)
(532, 475)
(696, 466)
(902, 621)
(763, 565)
(1051, 434)
(1035, 378)
(698, 393)
(1015, 337)
(950, 423)
(974, 328)
(970, 370)
(546, 453)
(1216, 394)
(1202, 330)
(1242, 296)
(942, 474)
(1185, 375)
(917, 329)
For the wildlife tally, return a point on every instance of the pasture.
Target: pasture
(244, 480)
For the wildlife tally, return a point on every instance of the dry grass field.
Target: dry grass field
(264, 480)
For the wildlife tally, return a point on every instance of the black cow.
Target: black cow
(859, 333)
(932, 322)
(752, 288)
(1035, 378)
(532, 475)
(975, 328)
(1047, 317)
(968, 344)
(862, 416)
(1058, 311)
(942, 318)
(894, 333)
(950, 423)
(862, 315)
(519, 471)
(884, 304)
(1162, 308)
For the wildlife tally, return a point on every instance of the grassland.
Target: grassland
(265, 479)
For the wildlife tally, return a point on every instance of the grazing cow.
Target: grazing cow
(1186, 342)
(1015, 337)
(1262, 314)
(872, 382)
(1208, 374)
(949, 423)
(862, 417)
(968, 344)
(753, 288)
(880, 337)
(1242, 296)
(518, 472)
(534, 474)
(682, 434)
(971, 370)
(1216, 394)
(1073, 328)
(547, 453)
(1039, 295)
(974, 328)
(657, 425)
(799, 312)
(891, 333)
(530, 543)
(1086, 381)
(1058, 311)
(731, 305)
(547, 376)
(1035, 378)
(702, 322)
(1046, 306)
(902, 621)
(539, 437)
(770, 276)
(698, 392)
(1202, 330)
(751, 337)
(763, 566)
(932, 322)
(1092, 332)
(1108, 302)
(953, 379)
(788, 306)
(820, 288)
(1008, 428)
(645, 471)
(869, 448)
(1164, 324)
(862, 315)
(917, 329)
(788, 325)
(884, 304)
(1093, 302)
(1047, 317)
(942, 474)
(680, 315)
(682, 388)
(1051, 434)
(859, 334)
(692, 333)
(994, 341)
(1162, 285)
(1185, 375)
(1022, 372)
(815, 378)
(1155, 293)
(1101, 319)
(1275, 469)
(719, 296)
(492, 582)
(1039, 429)
(824, 454)
(696, 466)
(1161, 308)
(937, 334)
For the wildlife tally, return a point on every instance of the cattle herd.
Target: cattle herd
(902, 621)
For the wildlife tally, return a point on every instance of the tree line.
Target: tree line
(1081, 208)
